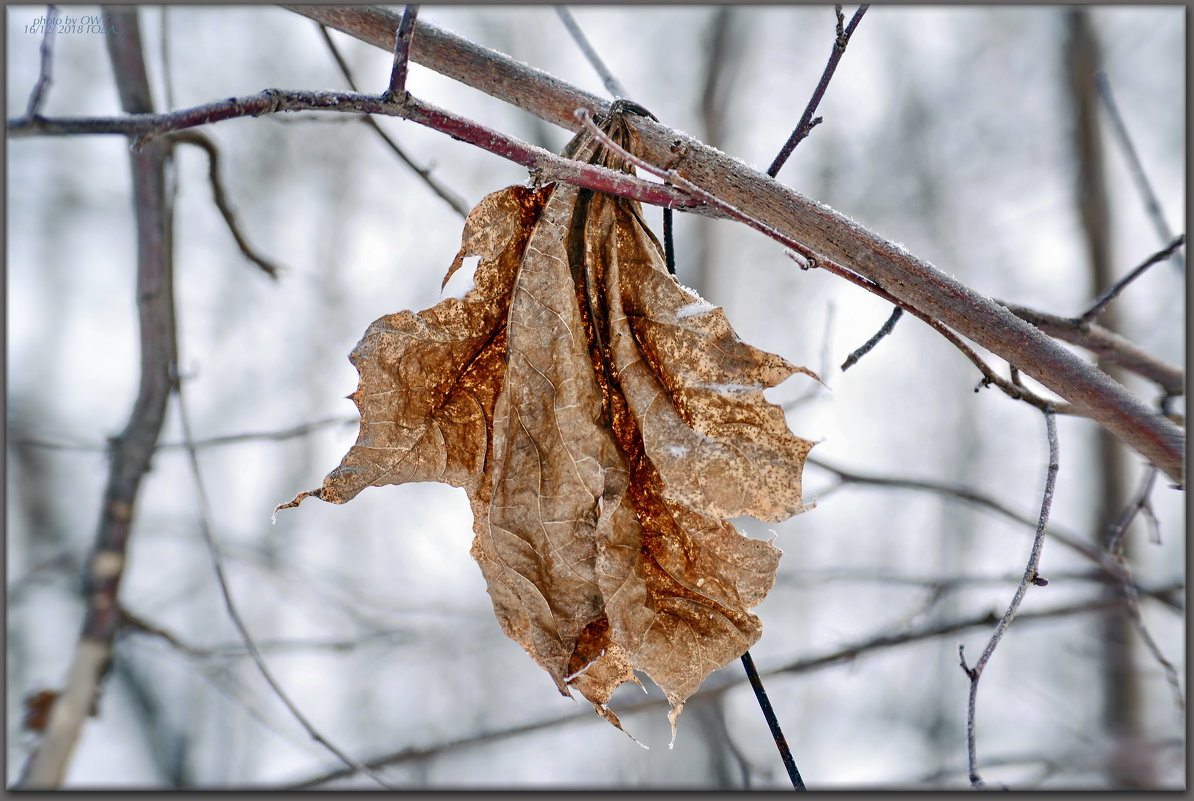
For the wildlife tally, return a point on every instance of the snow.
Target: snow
(699, 306)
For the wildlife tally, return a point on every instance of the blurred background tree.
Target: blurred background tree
(969, 135)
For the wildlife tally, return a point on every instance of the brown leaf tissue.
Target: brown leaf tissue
(604, 421)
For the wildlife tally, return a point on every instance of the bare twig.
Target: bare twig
(1097, 555)
(217, 189)
(406, 30)
(217, 561)
(1113, 291)
(849, 653)
(781, 742)
(136, 623)
(547, 165)
(133, 448)
(807, 123)
(454, 200)
(1151, 204)
(612, 84)
(38, 95)
(300, 430)
(1114, 537)
(1031, 577)
(866, 348)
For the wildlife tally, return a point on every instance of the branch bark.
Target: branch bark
(820, 228)
(134, 447)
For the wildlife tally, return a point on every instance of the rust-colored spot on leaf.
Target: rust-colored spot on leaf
(604, 421)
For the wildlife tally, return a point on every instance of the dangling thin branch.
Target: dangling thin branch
(1031, 577)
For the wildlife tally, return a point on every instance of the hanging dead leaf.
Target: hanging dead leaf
(604, 421)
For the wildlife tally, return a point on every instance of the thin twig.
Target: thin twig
(781, 742)
(454, 200)
(869, 345)
(848, 654)
(1114, 539)
(300, 430)
(1098, 556)
(545, 164)
(38, 95)
(1132, 604)
(217, 561)
(406, 29)
(1106, 345)
(1119, 285)
(221, 199)
(136, 623)
(1031, 577)
(1151, 204)
(612, 84)
(807, 123)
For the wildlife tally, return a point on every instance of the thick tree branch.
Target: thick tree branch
(133, 448)
(821, 229)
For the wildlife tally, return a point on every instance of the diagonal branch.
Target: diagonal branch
(612, 84)
(1106, 345)
(545, 165)
(38, 95)
(1151, 204)
(133, 448)
(451, 198)
(1113, 291)
(846, 654)
(821, 229)
(221, 200)
(217, 561)
(807, 123)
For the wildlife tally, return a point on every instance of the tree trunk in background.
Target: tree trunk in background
(1129, 764)
(722, 59)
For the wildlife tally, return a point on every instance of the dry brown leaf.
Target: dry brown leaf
(604, 421)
